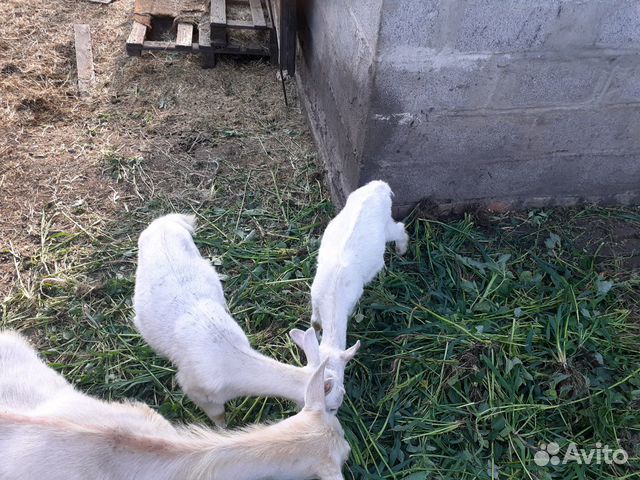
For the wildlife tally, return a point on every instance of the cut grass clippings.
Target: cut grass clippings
(480, 344)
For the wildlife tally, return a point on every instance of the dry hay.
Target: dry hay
(63, 156)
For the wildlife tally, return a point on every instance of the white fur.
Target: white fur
(351, 255)
(181, 312)
(49, 430)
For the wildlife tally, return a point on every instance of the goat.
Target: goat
(180, 310)
(351, 254)
(50, 430)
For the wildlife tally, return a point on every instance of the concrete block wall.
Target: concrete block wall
(521, 102)
(339, 40)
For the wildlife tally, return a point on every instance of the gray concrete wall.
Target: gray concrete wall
(338, 39)
(523, 102)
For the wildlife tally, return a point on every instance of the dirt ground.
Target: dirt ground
(63, 155)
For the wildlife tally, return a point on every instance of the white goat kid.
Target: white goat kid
(351, 254)
(49, 430)
(181, 312)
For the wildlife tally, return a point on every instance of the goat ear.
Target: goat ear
(350, 352)
(297, 336)
(314, 395)
(308, 342)
(311, 347)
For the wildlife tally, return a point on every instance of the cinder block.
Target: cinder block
(546, 81)
(499, 26)
(624, 86)
(419, 25)
(620, 28)
(574, 24)
(498, 82)
(493, 25)
(429, 82)
(522, 181)
(476, 138)
(594, 130)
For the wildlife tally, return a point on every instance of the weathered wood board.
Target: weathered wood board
(184, 37)
(285, 20)
(136, 39)
(257, 14)
(84, 58)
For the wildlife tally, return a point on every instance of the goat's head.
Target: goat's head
(336, 361)
(332, 449)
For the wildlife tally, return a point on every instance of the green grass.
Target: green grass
(481, 343)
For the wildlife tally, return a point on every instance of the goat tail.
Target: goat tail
(382, 186)
(188, 222)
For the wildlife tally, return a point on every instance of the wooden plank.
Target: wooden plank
(219, 36)
(273, 47)
(273, 37)
(136, 39)
(257, 14)
(204, 33)
(159, 45)
(84, 58)
(218, 12)
(233, 49)
(168, 45)
(184, 37)
(218, 22)
(204, 40)
(275, 4)
(244, 24)
(287, 34)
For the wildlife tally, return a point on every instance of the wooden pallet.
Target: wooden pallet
(139, 41)
(222, 26)
(210, 42)
(259, 15)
